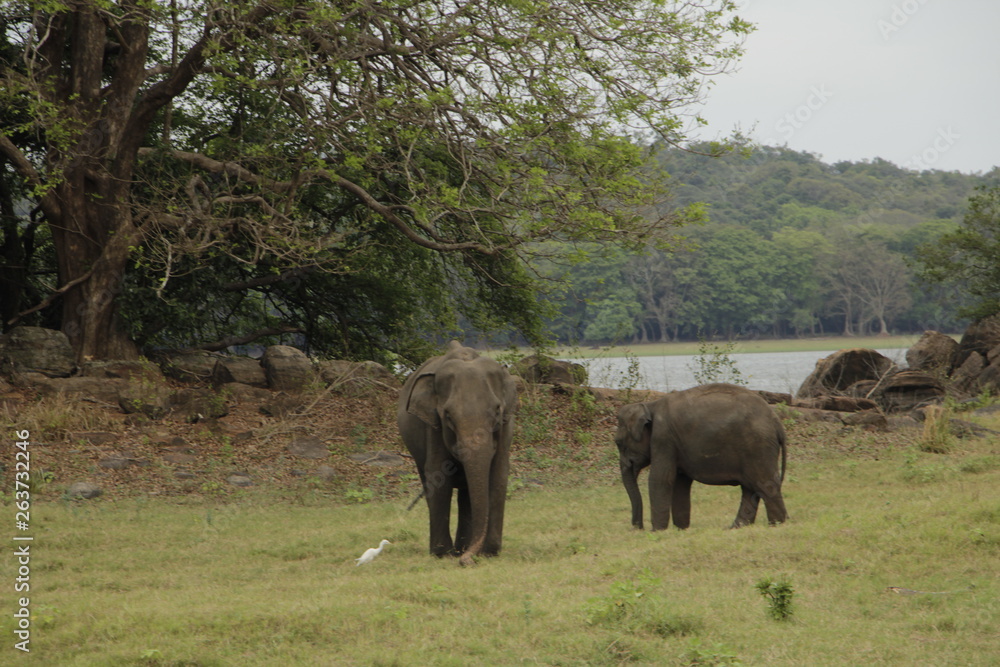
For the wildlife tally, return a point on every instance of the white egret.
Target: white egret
(369, 555)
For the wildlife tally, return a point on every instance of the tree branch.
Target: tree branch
(247, 338)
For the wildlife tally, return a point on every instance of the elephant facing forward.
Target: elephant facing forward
(456, 416)
(717, 434)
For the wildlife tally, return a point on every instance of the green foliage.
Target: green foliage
(698, 655)
(714, 364)
(779, 596)
(636, 607)
(970, 255)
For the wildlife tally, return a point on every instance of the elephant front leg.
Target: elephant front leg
(747, 513)
(661, 493)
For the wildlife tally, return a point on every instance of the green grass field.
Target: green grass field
(253, 581)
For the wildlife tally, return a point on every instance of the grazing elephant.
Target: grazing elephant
(716, 434)
(456, 416)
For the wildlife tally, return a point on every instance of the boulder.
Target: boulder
(906, 390)
(539, 368)
(193, 366)
(933, 353)
(195, 405)
(37, 350)
(981, 337)
(244, 370)
(286, 367)
(966, 376)
(84, 490)
(836, 373)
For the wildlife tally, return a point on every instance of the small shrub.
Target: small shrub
(634, 607)
(714, 364)
(779, 597)
(937, 437)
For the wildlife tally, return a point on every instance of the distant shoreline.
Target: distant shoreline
(817, 344)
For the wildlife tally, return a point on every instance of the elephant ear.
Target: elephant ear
(638, 419)
(423, 401)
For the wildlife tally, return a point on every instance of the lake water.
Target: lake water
(771, 371)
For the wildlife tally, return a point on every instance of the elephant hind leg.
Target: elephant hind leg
(747, 513)
(681, 502)
(775, 506)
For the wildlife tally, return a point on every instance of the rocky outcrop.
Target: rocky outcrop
(540, 369)
(37, 350)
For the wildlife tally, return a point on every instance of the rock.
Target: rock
(965, 377)
(388, 459)
(244, 392)
(933, 353)
(196, 366)
(244, 370)
(84, 490)
(153, 401)
(837, 403)
(106, 390)
(775, 397)
(122, 370)
(179, 458)
(195, 405)
(342, 373)
(981, 337)
(308, 447)
(873, 419)
(906, 390)
(835, 373)
(287, 368)
(539, 368)
(240, 480)
(184, 474)
(37, 350)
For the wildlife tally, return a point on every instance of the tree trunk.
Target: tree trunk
(92, 236)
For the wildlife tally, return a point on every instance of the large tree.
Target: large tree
(969, 257)
(291, 137)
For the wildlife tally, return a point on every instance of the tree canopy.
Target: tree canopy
(358, 173)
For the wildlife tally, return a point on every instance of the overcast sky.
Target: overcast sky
(915, 82)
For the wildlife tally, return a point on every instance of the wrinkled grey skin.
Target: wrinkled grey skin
(456, 416)
(718, 434)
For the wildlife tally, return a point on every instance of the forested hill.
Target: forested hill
(791, 246)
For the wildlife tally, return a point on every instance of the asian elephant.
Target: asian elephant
(718, 434)
(456, 416)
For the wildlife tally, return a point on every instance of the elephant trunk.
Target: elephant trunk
(630, 478)
(477, 460)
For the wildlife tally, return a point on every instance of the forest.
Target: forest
(787, 245)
